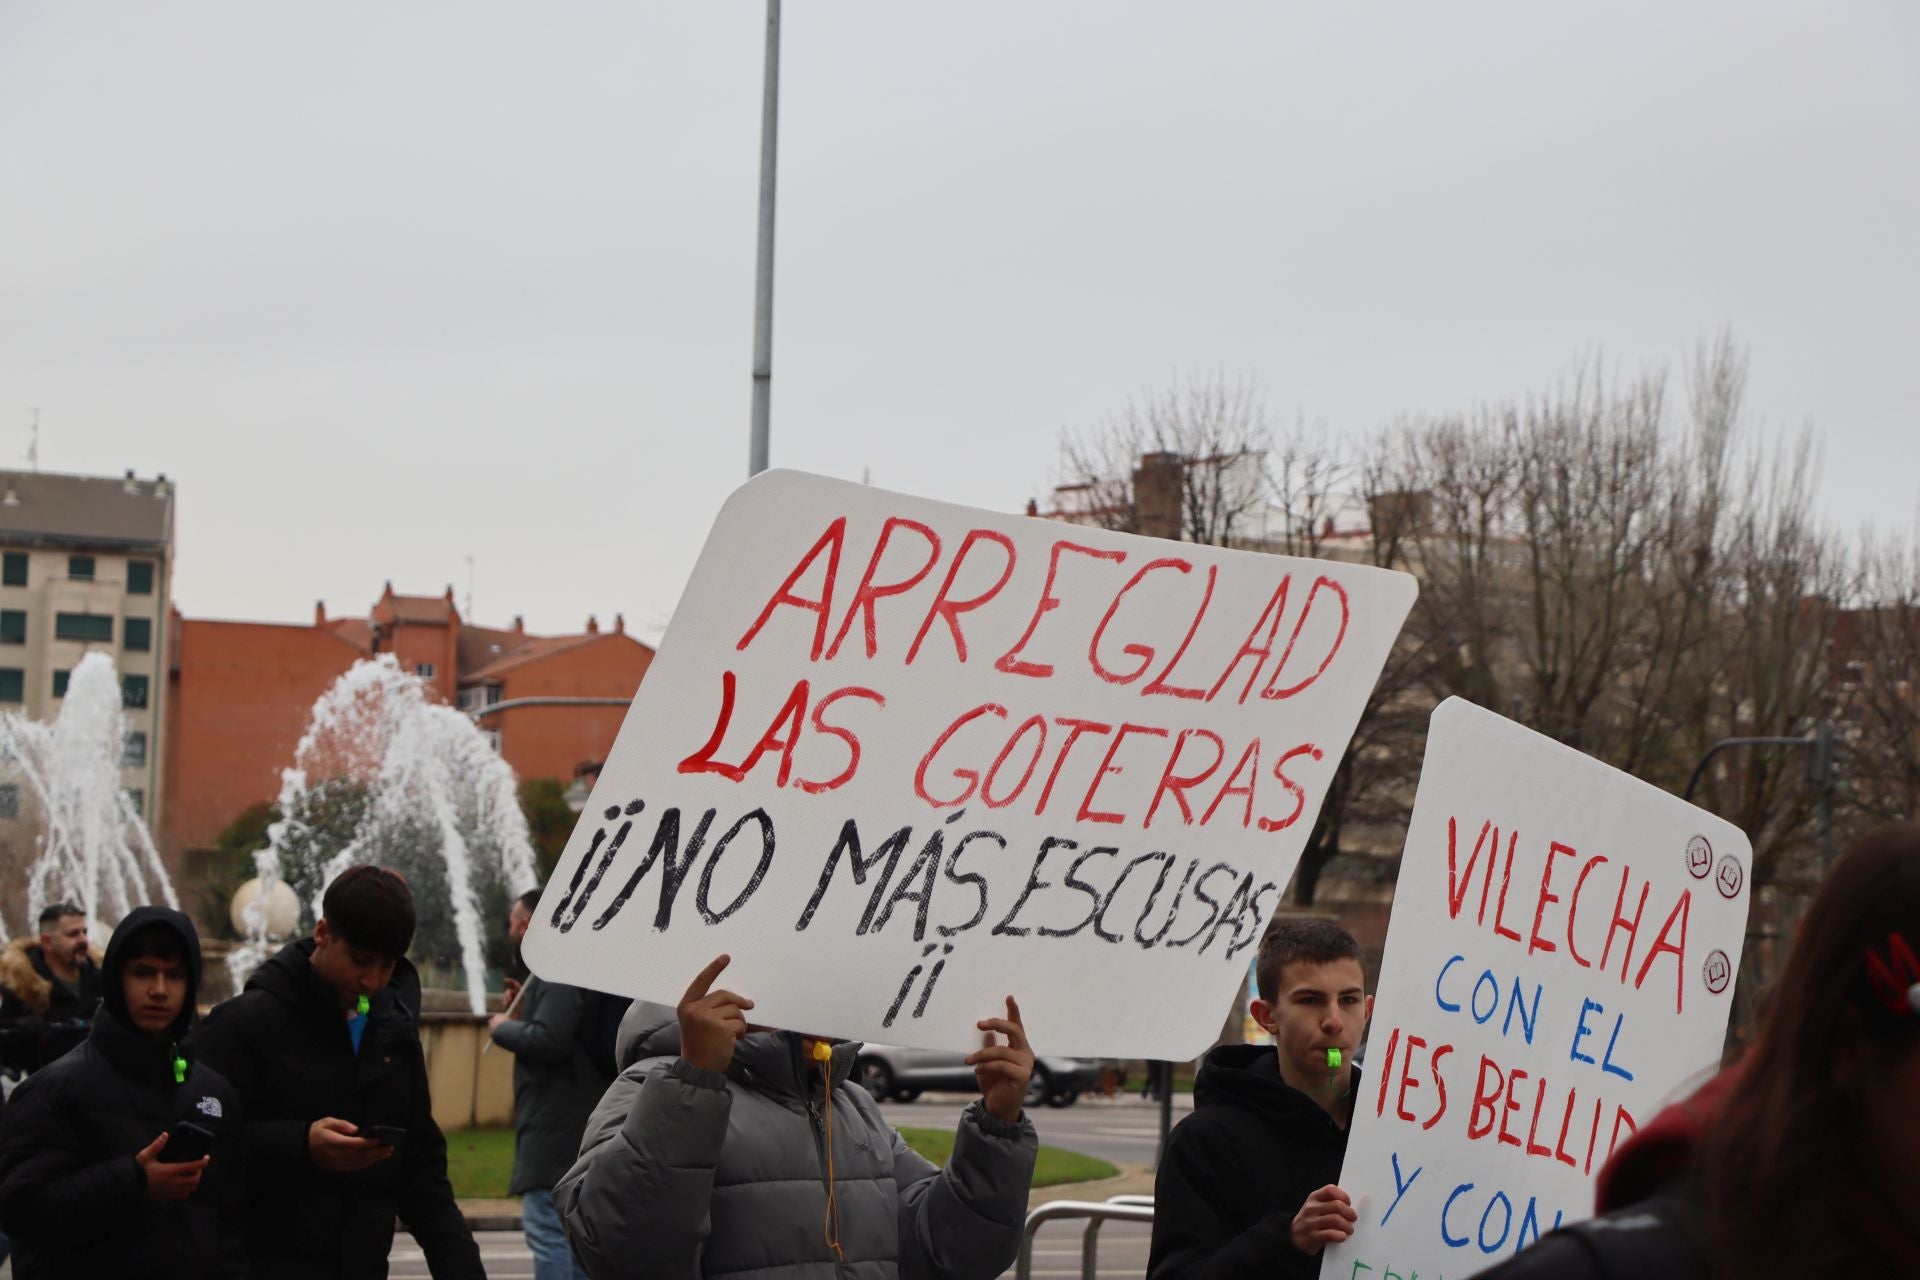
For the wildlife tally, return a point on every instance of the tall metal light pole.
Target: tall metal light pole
(763, 283)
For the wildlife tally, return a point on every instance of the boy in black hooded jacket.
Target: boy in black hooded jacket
(324, 1048)
(86, 1186)
(1246, 1187)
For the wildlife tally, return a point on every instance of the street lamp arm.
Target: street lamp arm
(477, 714)
(1727, 743)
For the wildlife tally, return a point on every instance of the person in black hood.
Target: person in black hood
(324, 1047)
(86, 1185)
(1246, 1185)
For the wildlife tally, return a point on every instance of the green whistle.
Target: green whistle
(363, 1005)
(179, 1069)
(1333, 1059)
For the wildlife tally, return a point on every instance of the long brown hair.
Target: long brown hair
(1794, 1177)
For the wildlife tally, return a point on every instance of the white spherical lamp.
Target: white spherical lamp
(282, 908)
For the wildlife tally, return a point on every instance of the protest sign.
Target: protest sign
(900, 759)
(1559, 965)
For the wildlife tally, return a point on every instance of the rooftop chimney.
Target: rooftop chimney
(619, 624)
(593, 625)
(1033, 508)
(319, 613)
(131, 485)
(519, 625)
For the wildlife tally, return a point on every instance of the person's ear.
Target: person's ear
(321, 933)
(1263, 1015)
(1367, 1016)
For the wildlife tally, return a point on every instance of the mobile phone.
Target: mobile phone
(186, 1141)
(387, 1135)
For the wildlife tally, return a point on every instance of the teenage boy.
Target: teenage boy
(324, 1047)
(1246, 1185)
(88, 1185)
(49, 990)
(725, 1149)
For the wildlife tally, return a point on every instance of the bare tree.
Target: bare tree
(1186, 462)
(1876, 673)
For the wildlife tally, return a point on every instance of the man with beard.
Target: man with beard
(49, 990)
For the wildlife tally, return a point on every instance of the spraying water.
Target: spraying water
(384, 775)
(95, 850)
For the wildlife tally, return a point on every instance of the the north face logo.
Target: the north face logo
(208, 1107)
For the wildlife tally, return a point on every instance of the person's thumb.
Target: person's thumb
(153, 1148)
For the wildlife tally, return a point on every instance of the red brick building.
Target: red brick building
(241, 693)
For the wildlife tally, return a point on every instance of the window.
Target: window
(424, 670)
(13, 684)
(137, 800)
(139, 577)
(9, 800)
(80, 568)
(133, 691)
(476, 696)
(13, 626)
(60, 679)
(83, 626)
(133, 751)
(15, 574)
(137, 635)
(493, 739)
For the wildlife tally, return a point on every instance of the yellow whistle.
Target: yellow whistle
(822, 1051)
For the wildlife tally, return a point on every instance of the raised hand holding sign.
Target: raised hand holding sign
(896, 756)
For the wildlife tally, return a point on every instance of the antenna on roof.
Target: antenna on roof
(33, 446)
(469, 609)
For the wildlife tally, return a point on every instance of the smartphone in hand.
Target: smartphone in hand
(186, 1141)
(387, 1135)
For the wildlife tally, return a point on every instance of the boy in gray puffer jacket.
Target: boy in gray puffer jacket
(724, 1151)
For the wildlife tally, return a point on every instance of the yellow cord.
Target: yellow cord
(830, 1225)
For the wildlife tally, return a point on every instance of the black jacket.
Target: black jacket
(41, 1018)
(556, 1084)
(1238, 1169)
(73, 1196)
(284, 1043)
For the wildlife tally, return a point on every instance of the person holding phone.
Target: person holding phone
(122, 1158)
(324, 1048)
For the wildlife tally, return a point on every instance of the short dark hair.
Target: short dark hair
(53, 911)
(158, 940)
(1300, 942)
(371, 907)
(530, 899)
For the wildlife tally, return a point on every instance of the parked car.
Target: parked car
(889, 1071)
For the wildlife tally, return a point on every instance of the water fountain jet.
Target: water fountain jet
(383, 774)
(95, 850)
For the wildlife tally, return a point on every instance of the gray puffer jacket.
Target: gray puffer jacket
(686, 1172)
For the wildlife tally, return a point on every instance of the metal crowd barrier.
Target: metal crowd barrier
(1097, 1213)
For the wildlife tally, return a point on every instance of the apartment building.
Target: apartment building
(86, 564)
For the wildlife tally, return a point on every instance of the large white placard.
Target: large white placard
(900, 759)
(1559, 964)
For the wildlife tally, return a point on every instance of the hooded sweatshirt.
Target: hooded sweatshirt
(285, 1044)
(72, 1194)
(686, 1172)
(1238, 1169)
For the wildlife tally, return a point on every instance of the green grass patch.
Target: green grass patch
(1052, 1168)
(480, 1161)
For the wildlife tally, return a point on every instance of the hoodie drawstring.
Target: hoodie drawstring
(830, 1224)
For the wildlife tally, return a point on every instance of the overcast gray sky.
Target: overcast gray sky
(384, 286)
